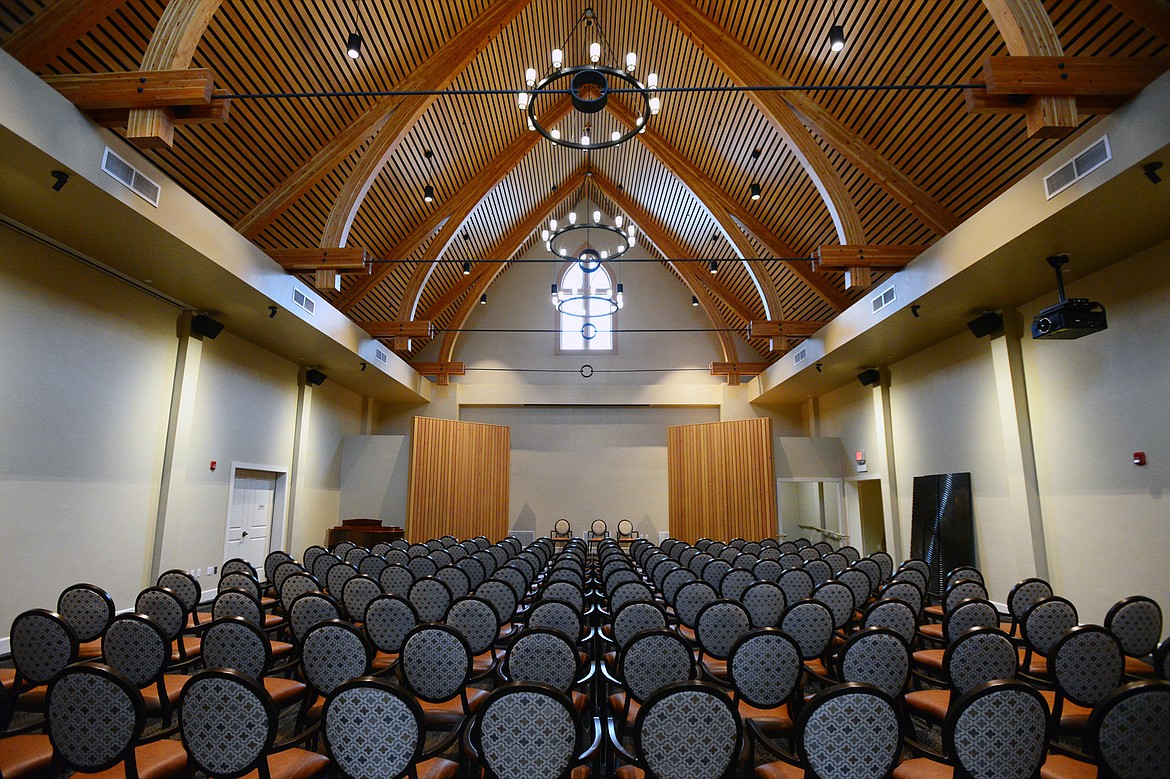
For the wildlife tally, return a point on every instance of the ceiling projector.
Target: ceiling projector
(1071, 317)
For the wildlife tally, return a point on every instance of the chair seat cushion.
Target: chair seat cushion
(931, 659)
(199, 619)
(932, 631)
(482, 663)
(156, 760)
(26, 755)
(934, 611)
(1136, 667)
(768, 719)
(1072, 716)
(1038, 666)
(191, 647)
(617, 702)
(816, 667)
(294, 764)
(686, 632)
(630, 772)
(923, 768)
(283, 691)
(580, 701)
(384, 659)
(272, 621)
(715, 667)
(437, 768)
(172, 686)
(929, 704)
(779, 770)
(1065, 767)
(90, 650)
(280, 648)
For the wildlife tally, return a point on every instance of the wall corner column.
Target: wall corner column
(300, 448)
(885, 457)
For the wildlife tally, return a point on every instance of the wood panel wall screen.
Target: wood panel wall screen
(721, 480)
(458, 480)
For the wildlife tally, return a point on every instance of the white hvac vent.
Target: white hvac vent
(883, 299)
(1078, 167)
(381, 356)
(130, 177)
(800, 356)
(525, 537)
(304, 301)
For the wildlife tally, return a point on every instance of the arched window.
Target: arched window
(586, 319)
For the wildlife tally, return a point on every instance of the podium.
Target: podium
(363, 532)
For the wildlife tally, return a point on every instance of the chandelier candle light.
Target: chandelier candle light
(588, 258)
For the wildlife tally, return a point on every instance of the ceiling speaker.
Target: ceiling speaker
(986, 324)
(206, 327)
(869, 377)
(315, 377)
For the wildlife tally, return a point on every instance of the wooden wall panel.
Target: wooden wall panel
(722, 481)
(458, 480)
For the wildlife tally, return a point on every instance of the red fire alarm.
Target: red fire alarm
(213, 465)
(1139, 458)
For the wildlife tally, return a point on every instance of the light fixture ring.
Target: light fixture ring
(613, 306)
(608, 76)
(556, 246)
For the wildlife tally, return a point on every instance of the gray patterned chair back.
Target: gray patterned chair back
(876, 656)
(233, 642)
(964, 572)
(43, 644)
(430, 598)
(373, 729)
(507, 742)
(357, 594)
(238, 580)
(872, 570)
(558, 615)
(1136, 621)
(514, 578)
(765, 603)
(273, 561)
(765, 667)
(729, 554)
(635, 618)
(1046, 621)
(474, 570)
(905, 591)
(824, 547)
(808, 553)
(487, 561)
(542, 655)
(372, 565)
(136, 647)
(850, 553)
(457, 552)
(819, 570)
(476, 620)
(397, 557)
(566, 591)
(310, 610)
(322, 565)
(837, 562)
(295, 586)
(770, 553)
(185, 586)
(735, 582)
(311, 554)
(283, 570)
(342, 548)
(334, 652)
(714, 571)
(914, 576)
(88, 609)
(164, 607)
(227, 722)
(354, 556)
(653, 659)
(690, 598)
(456, 580)
(396, 580)
(839, 599)
(1129, 731)
(338, 575)
(969, 613)
(237, 603)
(95, 717)
(435, 663)
(673, 581)
(1087, 664)
(566, 575)
(858, 582)
(617, 574)
(380, 549)
(810, 623)
(387, 621)
(630, 592)
(791, 561)
(897, 615)
(1162, 660)
(688, 730)
(978, 656)
(698, 562)
(999, 729)
(797, 584)
(767, 569)
(961, 590)
(885, 563)
(719, 625)
(1025, 594)
(869, 717)
(501, 596)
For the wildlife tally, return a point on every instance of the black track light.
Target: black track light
(428, 194)
(694, 300)
(483, 299)
(713, 267)
(836, 37)
(466, 268)
(353, 45)
(755, 191)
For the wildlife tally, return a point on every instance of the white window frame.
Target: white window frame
(561, 319)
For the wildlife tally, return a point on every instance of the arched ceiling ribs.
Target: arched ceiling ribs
(55, 27)
(672, 250)
(171, 47)
(1027, 31)
(744, 67)
(436, 73)
(499, 255)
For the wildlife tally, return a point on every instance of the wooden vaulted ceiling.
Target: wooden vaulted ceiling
(895, 168)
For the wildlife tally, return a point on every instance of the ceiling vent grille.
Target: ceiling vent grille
(299, 298)
(130, 177)
(883, 299)
(381, 356)
(1078, 167)
(800, 356)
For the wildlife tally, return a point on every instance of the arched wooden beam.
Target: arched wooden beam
(746, 68)
(406, 247)
(1027, 31)
(726, 210)
(1154, 15)
(436, 73)
(171, 47)
(55, 28)
(671, 249)
(470, 195)
(503, 250)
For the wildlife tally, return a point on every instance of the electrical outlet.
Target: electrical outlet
(198, 572)
(212, 570)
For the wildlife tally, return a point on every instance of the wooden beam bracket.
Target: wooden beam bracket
(442, 371)
(136, 89)
(793, 328)
(735, 370)
(1071, 76)
(399, 329)
(347, 260)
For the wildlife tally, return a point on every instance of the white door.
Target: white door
(250, 516)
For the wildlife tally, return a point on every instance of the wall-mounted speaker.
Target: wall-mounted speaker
(315, 377)
(870, 377)
(986, 324)
(205, 327)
